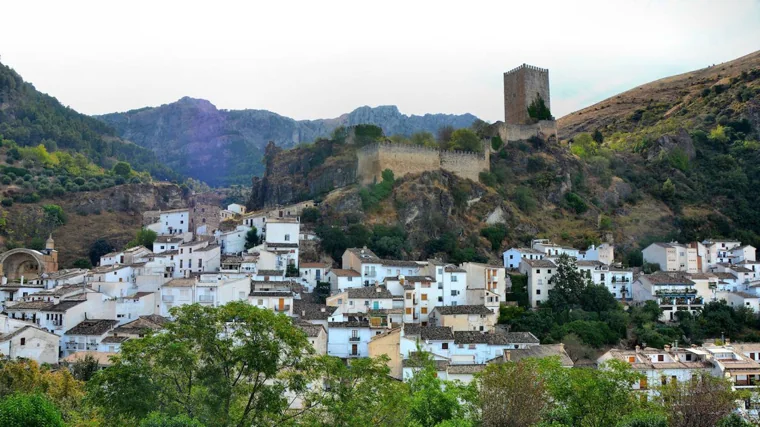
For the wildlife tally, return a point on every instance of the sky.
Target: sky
(320, 59)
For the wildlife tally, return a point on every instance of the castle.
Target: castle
(522, 86)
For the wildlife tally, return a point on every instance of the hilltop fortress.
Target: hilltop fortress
(522, 85)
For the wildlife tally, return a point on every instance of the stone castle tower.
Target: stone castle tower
(521, 87)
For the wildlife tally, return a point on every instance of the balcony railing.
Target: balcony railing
(354, 355)
(282, 309)
(352, 339)
(205, 298)
(665, 292)
(370, 274)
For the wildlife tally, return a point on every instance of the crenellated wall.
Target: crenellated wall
(405, 159)
(544, 129)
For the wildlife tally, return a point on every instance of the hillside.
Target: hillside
(674, 159)
(689, 140)
(31, 118)
(223, 147)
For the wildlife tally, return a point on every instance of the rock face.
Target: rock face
(667, 143)
(296, 175)
(224, 147)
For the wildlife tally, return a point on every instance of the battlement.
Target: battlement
(404, 159)
(527, 67)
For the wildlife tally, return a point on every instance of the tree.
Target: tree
(465, 140)
(310, 215)
(322, 291)
(444, 135)
(29, 410)
(84, 368)
(82, 263)
(703, 401)
(537, 110)
(144, 237)
(594, 397)
(512, 394)
(597, 299)
(433, 400)
(569, 284)
(668, 189)
(252, 238)
(332, 241)
(122, 169)
(495, 234)
(598, 137)
(54, 214)
(525, 200)
(227, 365)
(358, 394)
(157, 419)
(99, 248)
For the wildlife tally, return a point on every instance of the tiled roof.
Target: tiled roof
(536, 352)
(340, 272)
(6, 337)
(114, 340)
(587, 263)
(168, 239)
(271, 294)
(724, 275)
(270, 272)
(310, 329)
(454, 269)
(208, 248)
(64, 305)
(668, 278)
(494, 338)
(142, 324)
(440, 365)
(281, 245)
(465, 368)
(93, 327)
(180, 283)
(399, 263)
(429, 333)
(526, 250)
(314, 265)
(30, 305)
(539, 263)
(102, 357)
(446, 310)
(311, 311)
(364, 255)
(357, 323)
(414, 279)
(369, 292)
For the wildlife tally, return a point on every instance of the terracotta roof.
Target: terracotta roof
(208, 248)
(453, 269)
(365, 255)
(271, 293)
(668, 278)
(314, 265)
(30, 305)
(587, 263)
(180, 283)
(465, 368)
(102, 357)
(414, 279)
(64, 305)
(344, 272)
(93, 327)
(6, 337)
(399, 263)
(168, 239)
(446, 310)
(723, 275)
(281, 245)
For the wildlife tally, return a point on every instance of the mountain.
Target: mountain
(29, 118)
(677, 158)
(223, 147)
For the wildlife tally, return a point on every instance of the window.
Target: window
(23, 341)
(200, 263)
(180, 263)
(538, 271)
(350, 279)
(454, 278)
(408, 295)
(444, 346)
(350, 303)
(408, 310)
(423, 310)
(162, 246)
(287, 237)
(643, 383)
(471, 346)
(182, 222)
(481, 329)
(440, 270)
(660, 358)
(424, 297)
(538, 291)
(191, 250)
(550, 272)
(688, 356)
(511, 256)
(366, 303)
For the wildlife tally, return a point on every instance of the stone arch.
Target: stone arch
(22, 262)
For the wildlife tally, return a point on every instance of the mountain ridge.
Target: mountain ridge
(195, 137)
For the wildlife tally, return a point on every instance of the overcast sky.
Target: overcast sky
(318, 59)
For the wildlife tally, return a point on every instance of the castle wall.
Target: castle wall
(545, 129)
(408, 159)
(520, 88)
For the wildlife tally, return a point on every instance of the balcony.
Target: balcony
(675, 292)
(206, 298)
(370, 274)
(354, 355)
(282, 309)
(167, 298)
(354, 339)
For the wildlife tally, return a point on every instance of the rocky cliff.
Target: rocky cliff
(226, 146)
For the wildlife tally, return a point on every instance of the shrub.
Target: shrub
(19, 181)
(7, 202)
(496, 143)
(525, 200)
(27, 177)
(82, 263)
(495, 234)
(79, 180)
(576, 203)
(488, 178)
(7, 180)
(55, 214)
(536, 164)
(19, 410)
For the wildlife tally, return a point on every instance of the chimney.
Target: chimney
(638, 349)
(322, 309)
(378, 290)
(508, 355)
(728, 341)
(667, 348)
(303, 313)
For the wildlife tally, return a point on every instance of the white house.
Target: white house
(673, 256)
(175, 222)
(452, 280)
(341, 279)
(22, 339)
(673, 291)
(312, 273)
(539, 274)
(513, 256)
(232, 242)
(236, 208)
(282, 235)
(464, 318)
(167, 243)
(486, 284)
(604, 253)
(87, 335)
(197, 256)
(348, 337)
(361, 300)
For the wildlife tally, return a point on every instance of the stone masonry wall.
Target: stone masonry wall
(406, 159)
(544, 129)
(520, 88)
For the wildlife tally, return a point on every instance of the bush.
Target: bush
(22, 410)
(55, 214)
(19, 181)
(525, 200)
(310, 215)
(7, 180)
(488, 179)
(7, 202)
(575, 203)
(496, 143)
(495, 234)
(82, 263)
(465, 140)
